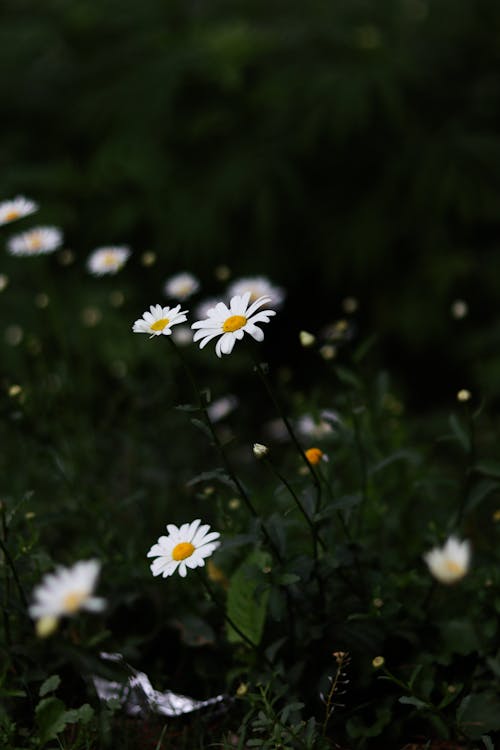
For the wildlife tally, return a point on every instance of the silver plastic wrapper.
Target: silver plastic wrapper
(138, 697)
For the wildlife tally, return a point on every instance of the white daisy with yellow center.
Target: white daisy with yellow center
(184, 547)
(181, 286)
(66, 592)
(231, 323)
(258, 286)
(108, 260)
(16, 209)
(159, 320)
(35, 241)
(451, 562)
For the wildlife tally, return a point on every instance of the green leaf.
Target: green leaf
(347, 377)
(286, 579)
(218, 475)
(346, 502)
(245, 607)
(459, 637)
(489, 467)
(479, 492)
(187, 407)
(51, 718)
(479, 713)
(49, 685)
(487, 742)
(412, 701)
(203, 427)
(459, 432)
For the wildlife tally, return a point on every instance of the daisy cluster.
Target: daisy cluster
(228, 324)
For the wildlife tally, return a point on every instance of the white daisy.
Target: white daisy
(35, 241)
(107, 260)
(451, 562)
(67, 591)
(16, 209)
(258, 286)
(231, 323)
(183, 548)
(159, 320)
(181, 286)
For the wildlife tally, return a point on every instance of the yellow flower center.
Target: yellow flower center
(234, 323)
(11, 215)
(34, 242)
(109, 259)
(73, 601)
(182, 550)
(453, 567)
(159, 325)
(314, 455)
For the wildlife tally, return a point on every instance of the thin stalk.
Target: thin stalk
(10, 563)
(362, 466)
(213, 432)
(315, 534)
(290, 431)
(471, 460)
(345, 528)
(229, 619)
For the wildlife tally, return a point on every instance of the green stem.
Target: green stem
(315, 535)
(293, 437)
(213, 432)
(10, 563)
(362, 466)
(471, 460)
(229, 619)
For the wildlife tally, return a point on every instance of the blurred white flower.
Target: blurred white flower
(449, 563)
(67, 591)
(231, 323)
(221, 407)
(183, 548)
(108, 260)
(159, 320)
(203, 308)
(16, 209)
(35, 241)
(181, 286)
(182, 335)
(319, 428)
(258, 286)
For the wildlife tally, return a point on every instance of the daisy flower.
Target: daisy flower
(451, 562)
(67, 591)
(16, 209)
(231, 323)
(183, 548)
(258, 286)
(181, 286)
(106, 260)
(159, 320)
(35, 241)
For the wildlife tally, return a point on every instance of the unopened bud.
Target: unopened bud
(259, 450)
(306, 338)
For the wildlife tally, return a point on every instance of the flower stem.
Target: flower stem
(260, 371)
(315, 534)
(213, 432)
(229, 619)
(10, 563)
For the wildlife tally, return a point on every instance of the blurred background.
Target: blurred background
(347, 150)
(344, 149)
